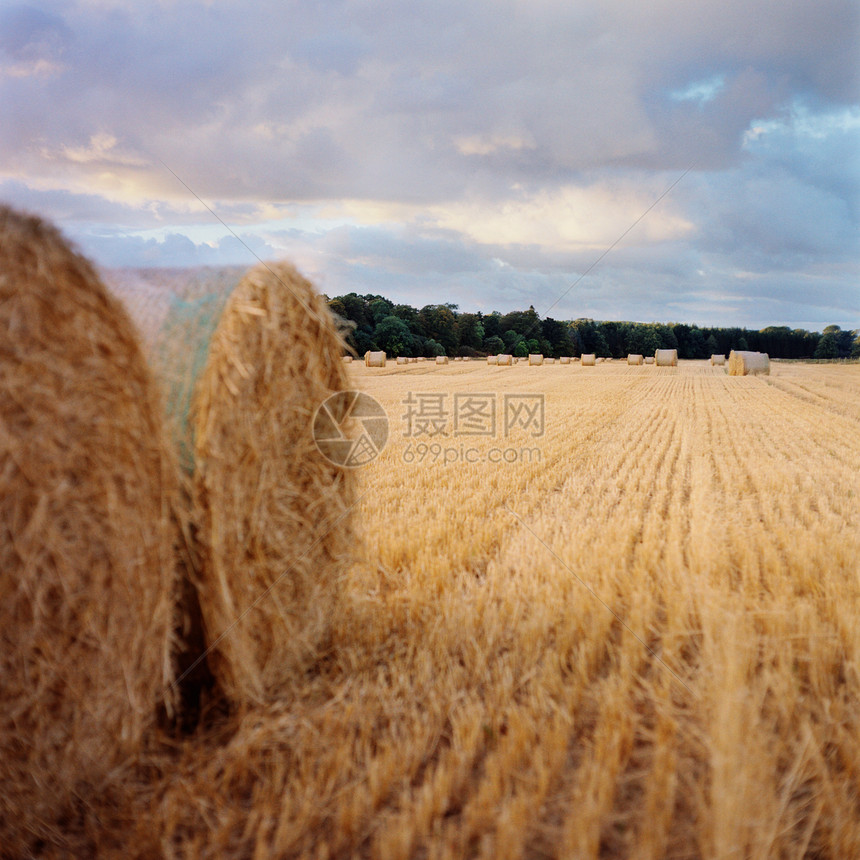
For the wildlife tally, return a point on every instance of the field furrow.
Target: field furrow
(640, 640)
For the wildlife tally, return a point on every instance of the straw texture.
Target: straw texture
(271, 510)
(745, 363)
(87, 573)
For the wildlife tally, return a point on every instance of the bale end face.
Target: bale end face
(88, 487)
(272, 511)
(748, 363)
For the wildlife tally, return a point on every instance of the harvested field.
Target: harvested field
(640, 639)
(667, 669)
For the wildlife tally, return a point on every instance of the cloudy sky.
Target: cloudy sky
(693, 161)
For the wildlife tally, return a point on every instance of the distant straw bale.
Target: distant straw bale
(718, 359)
(492, 359)
(402, 359)
(374, 359)
(649, 359)
(549, 361)
(535, 360)
(666, 357)
(347, 359)
(746, 363)
(441, 359)
(588, 359)
(271, 510)
(87, 572)
(565, 359)
(504, 359)
(633, 358)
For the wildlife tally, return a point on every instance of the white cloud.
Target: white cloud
(700, 91)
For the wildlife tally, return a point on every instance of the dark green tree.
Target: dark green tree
(433, 348)
(711, 346)
(828, 346)
(494, 345)
(394, 336)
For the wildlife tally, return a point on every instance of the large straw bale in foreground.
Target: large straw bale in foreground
(745, 363)
(635, 359)
(666, 357)
(588, 359)
(86, 541)
(271, 510)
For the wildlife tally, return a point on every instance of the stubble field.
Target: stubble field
(637, 635)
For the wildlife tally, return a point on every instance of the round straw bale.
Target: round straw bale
(504, 359)
(666, 357)
(374, 359)
(718, 359)
(347, 359)
(535, 360)
(421, 358)
(549, 361)
(649, 359)
(747, 363)
(88, 484)
(441, 359)
(565, 359)
(402, 359)
(492, 359)
(589, 359)
(634, 359)
(271, 510)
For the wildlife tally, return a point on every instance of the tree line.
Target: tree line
(374, 323)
